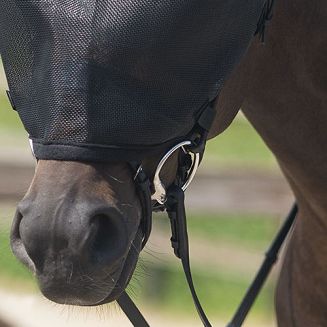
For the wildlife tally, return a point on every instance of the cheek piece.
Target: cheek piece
(106, 81)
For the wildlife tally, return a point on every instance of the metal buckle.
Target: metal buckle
(138, 171)
(159, 194)
(32, 147)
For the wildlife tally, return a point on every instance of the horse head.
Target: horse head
(104, 91)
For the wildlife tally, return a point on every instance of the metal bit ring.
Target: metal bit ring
(159, 194)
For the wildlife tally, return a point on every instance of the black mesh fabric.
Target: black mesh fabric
(90, 76)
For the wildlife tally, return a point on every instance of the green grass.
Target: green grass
(239, 145)
(10, 268)
(220, 293)
(220, 290)
(9, 265)
(9, 119)
(249, 231)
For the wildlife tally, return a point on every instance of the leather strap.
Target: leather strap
(176, 211)
(143, 187)
(131, 311)
(266, 16)
(260, 278)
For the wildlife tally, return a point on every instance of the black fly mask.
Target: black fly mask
(120, 80)
(108, 80)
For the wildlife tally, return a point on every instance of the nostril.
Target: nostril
(110, 238)
(17, 244)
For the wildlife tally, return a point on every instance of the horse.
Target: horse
(78, 226)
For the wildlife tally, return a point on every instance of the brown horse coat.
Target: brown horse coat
(282, 88)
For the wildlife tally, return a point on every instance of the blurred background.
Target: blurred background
(235, 206)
